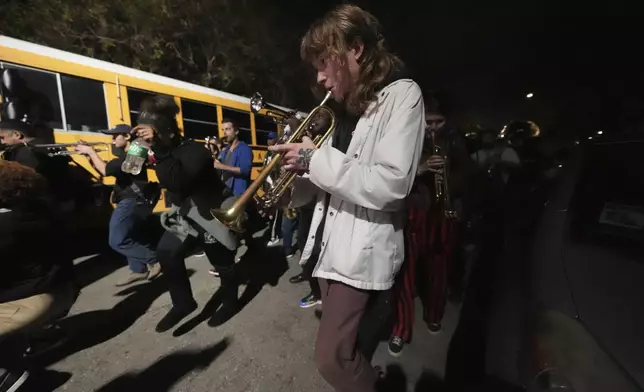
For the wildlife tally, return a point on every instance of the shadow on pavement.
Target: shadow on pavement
(164, 373)
(97, 267)
(429, 382)
(396, 381)
(88, 329)
(258, 267)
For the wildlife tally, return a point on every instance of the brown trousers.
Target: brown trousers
(336, 356)
(28, 314)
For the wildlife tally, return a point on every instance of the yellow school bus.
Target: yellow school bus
(88, 95)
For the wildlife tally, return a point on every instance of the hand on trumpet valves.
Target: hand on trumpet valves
(296, 156)
(435, 164)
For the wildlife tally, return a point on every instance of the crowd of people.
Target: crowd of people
(363, 210)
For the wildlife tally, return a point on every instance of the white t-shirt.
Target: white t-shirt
(505, 154)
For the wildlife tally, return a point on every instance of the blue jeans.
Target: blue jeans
(288, 229)
(127, 228)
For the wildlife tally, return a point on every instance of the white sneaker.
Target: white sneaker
(272, 243)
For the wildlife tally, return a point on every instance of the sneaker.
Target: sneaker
(174, 316)
(380, 374)
(200, 254)
(434, 328)
(133, 277)
(290, 255)
(11, 381)
(396, 345)
(309, 301)
(153, 270)
(274, 242)
(213, 272)
(45, 340)
(299, 278)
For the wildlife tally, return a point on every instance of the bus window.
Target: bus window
(135, 98)
(44, 86)
(241, 120)
(199, 119)
(84, 104)
(263, 126)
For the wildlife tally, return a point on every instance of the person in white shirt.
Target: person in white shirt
(360, 179)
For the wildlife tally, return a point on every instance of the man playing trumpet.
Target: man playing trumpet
(360, 180)
(20, 139)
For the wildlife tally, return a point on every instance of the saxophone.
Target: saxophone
(441, 184)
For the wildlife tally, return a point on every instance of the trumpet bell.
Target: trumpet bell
(233, 220)
(256, 103)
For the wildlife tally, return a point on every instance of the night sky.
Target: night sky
(581, 60)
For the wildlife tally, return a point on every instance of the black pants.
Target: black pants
(307, 273)
(303, 227)
(305, 218)
(171, 253)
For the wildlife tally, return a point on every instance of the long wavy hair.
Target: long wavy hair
(336, 33)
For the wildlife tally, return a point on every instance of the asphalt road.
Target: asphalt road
(267, 346)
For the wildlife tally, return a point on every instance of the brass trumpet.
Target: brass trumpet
(212, 144)
(232, 217)
(65, 152)
(441, 184)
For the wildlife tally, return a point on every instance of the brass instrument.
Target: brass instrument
(60, 149)
(65, 145)
(232, 217)
(441, 184)
(64, 152)
(212, 144)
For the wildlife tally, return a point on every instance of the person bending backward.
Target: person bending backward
(360, 179)
(193, 187)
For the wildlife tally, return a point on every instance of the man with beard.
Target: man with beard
(235, 160)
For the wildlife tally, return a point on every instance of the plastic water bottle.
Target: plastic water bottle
(137, 156)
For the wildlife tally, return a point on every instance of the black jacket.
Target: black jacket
(187, 172)
(31, 262)
(55, 169)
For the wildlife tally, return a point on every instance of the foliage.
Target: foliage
(239, 46)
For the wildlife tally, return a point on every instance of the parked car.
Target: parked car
(583, 325)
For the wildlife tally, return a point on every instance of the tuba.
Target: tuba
(441, 184)
(233, 216)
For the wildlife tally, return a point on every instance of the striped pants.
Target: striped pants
(429, 240)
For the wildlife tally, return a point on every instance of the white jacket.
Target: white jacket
(362, 244)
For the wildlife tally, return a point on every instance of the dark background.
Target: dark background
(581, 59)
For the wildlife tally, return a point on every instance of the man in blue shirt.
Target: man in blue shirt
(235, 160)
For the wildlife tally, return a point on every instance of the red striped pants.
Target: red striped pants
(429, 240)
